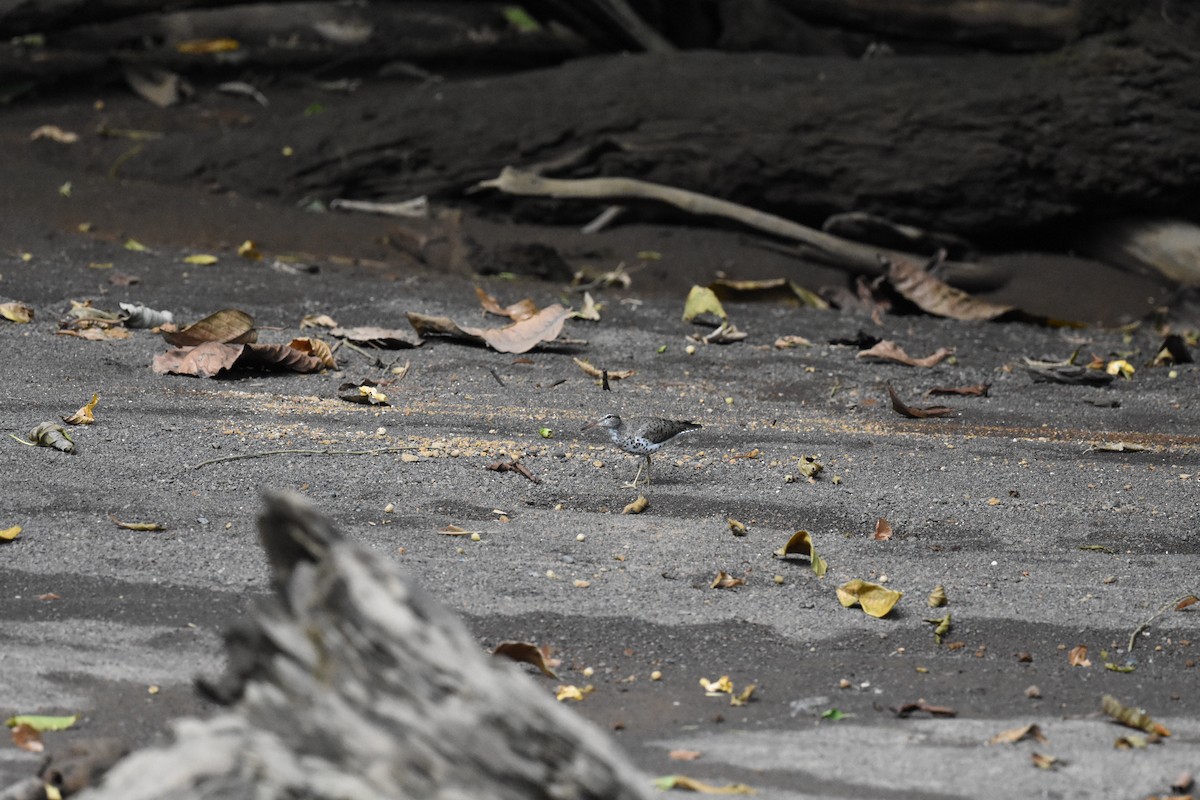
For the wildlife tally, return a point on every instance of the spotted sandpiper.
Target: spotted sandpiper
(641, 437)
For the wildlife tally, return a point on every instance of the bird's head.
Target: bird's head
(607, 421)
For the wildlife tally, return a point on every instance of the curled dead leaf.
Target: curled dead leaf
(937, 598)
(801, 544)
(50, 434)
(889, 351)
(84, 415)
(1014, 735)
(10, 534)
(915, 412)
(210, 359)
(316, 348)
(883, 530)
(520, 337)
(27, 738)
(528, 653)
(936, 297)
(726, 581)
(522, 309)
(1077, 657)
(318, 321)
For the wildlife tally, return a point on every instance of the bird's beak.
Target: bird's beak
(587, 427)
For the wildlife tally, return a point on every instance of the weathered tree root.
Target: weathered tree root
(352, 682)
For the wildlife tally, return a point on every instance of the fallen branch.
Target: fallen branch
(1133, 636)
(326, 452)
(855, 257)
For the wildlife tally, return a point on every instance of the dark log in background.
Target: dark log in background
(977, 143)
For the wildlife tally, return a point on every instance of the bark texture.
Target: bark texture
(352, 682)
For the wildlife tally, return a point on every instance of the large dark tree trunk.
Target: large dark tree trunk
(981, 145)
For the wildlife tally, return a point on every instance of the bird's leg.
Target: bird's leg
(644, 461)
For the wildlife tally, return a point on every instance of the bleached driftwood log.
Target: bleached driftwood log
(352, 682)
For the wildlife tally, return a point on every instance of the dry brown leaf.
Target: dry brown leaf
(1031, 731)
(454, 530)
(212, 358)
(27, 738)
(916, 412)
(96, 334)
(937, 297)
(381, 338)
(1042, 761)
(786, 342)
(975, 390)
(684, 755)
(514, 465)
(1191, 599)
(883, 530)
(318, 321)
(529, 654)
(522, 309)
(316, 348)
(889, 351)
(1077, 657)
(520, 337)
(725, 581)
(937, 711)
(228, 326)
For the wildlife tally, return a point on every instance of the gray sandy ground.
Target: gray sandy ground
(994, 503)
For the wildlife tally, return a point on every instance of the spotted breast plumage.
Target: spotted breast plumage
(642, 437)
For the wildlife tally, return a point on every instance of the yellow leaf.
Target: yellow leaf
(875, 600)
(136, 246)
(84, 415)
(206, 46)
(570, 692)
(701, 300)
(735, 527)
(1120, 367)
(637, 506)
(692, 785)
(16, 312)
(743, 697)
(801, 544)
(203, 259)
(249, 250)
(721, 685)
(8, 534)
